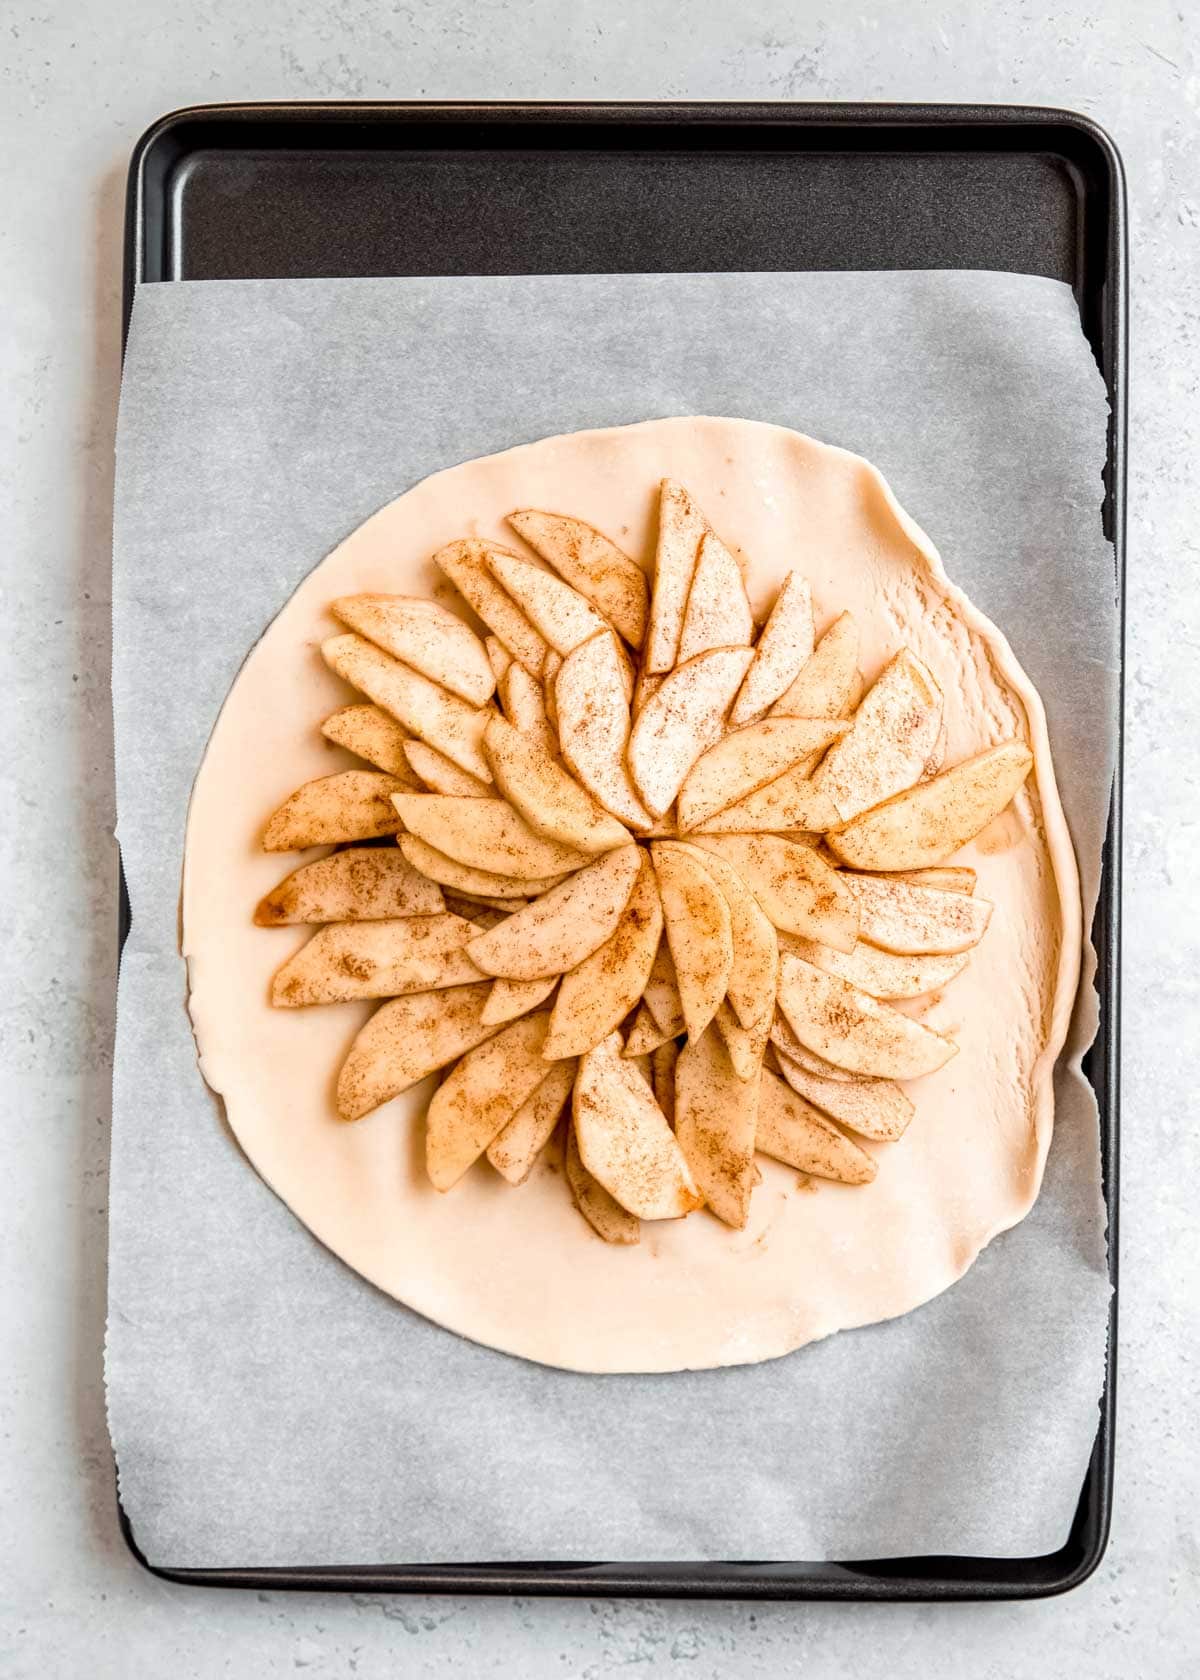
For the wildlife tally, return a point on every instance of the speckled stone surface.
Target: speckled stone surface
(78, 83)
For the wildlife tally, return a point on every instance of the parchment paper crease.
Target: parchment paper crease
(267, 1406)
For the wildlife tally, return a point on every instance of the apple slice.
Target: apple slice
(423, 707)
(348, 960)
(510, 999)
(557, 931)
(785, 1043)
(439, 775)
(681, 526)
(591, 563)
(854, 1030)
(549, 679)
(559, 613)
(925, 824)
(663, 1062)
(718, 614)
(792, 803)
(754, 973)
(741, 763)
(661, 994)
(645, 1035)
(593, 728)
(407, 1039)
(465, 563)
(784, 647)
(361, 884)
(477, 883)
(716, 1114)
(874, 1108)
(479, 1097)
(681, 721)
(524, 702)
(624, 1140)
(828, 680)
(953, 879)
(426, 636)
(699, 933)
(551, 802)
(353, 805)
(798, 890)
(894, 732)
(882, 973)
(596, 996)
(746, 1047)
(915, 921)
(499, 657)
(606, 1216)
(514, 1151)
(792, 1131)
(371, 733)
(484, 834)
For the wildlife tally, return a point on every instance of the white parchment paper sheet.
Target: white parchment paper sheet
(268, 1407)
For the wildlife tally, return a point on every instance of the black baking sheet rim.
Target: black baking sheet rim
(1090, 159)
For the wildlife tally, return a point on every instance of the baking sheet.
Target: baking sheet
(267, 1406)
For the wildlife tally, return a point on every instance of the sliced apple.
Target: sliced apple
(596, 996)
(549, 679)
(465, 563)
(510, 999)
(661, 994)
(798, 890)
(792, 1131)
(785, 1043)
(426, 636)
(926, 823)
(477, 883)
(790, 805)
(484, 834)
(606, 1216)
(361, 884)
(755, 970)
(749, 759)
(699, 933)
(826, 681)
(552, 802)
(560, 614)
(479, 1097)
(882, 973)
(524, 701)
(663, 1062)
(645, 1035)
(349, 960)
(557, 931)
(593, 728)
(681, 721)
(440, 775)
(784, 647)
(916, 921)
(718, 614)
(746, 1047)
(423, 707)
(874, 1108)
(854, 1030)
(952, 879)
(893, 733)
(499, 657)
(407, 1039)
(591, 563)
(646, 687)
(353, 805)
(373, 734)
(514, 1150)
(716, 1115)
(681, 526)
(624, 1139)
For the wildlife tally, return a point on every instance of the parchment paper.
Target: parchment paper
(269, 1407)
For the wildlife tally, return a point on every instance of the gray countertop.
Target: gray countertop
(79, 83)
